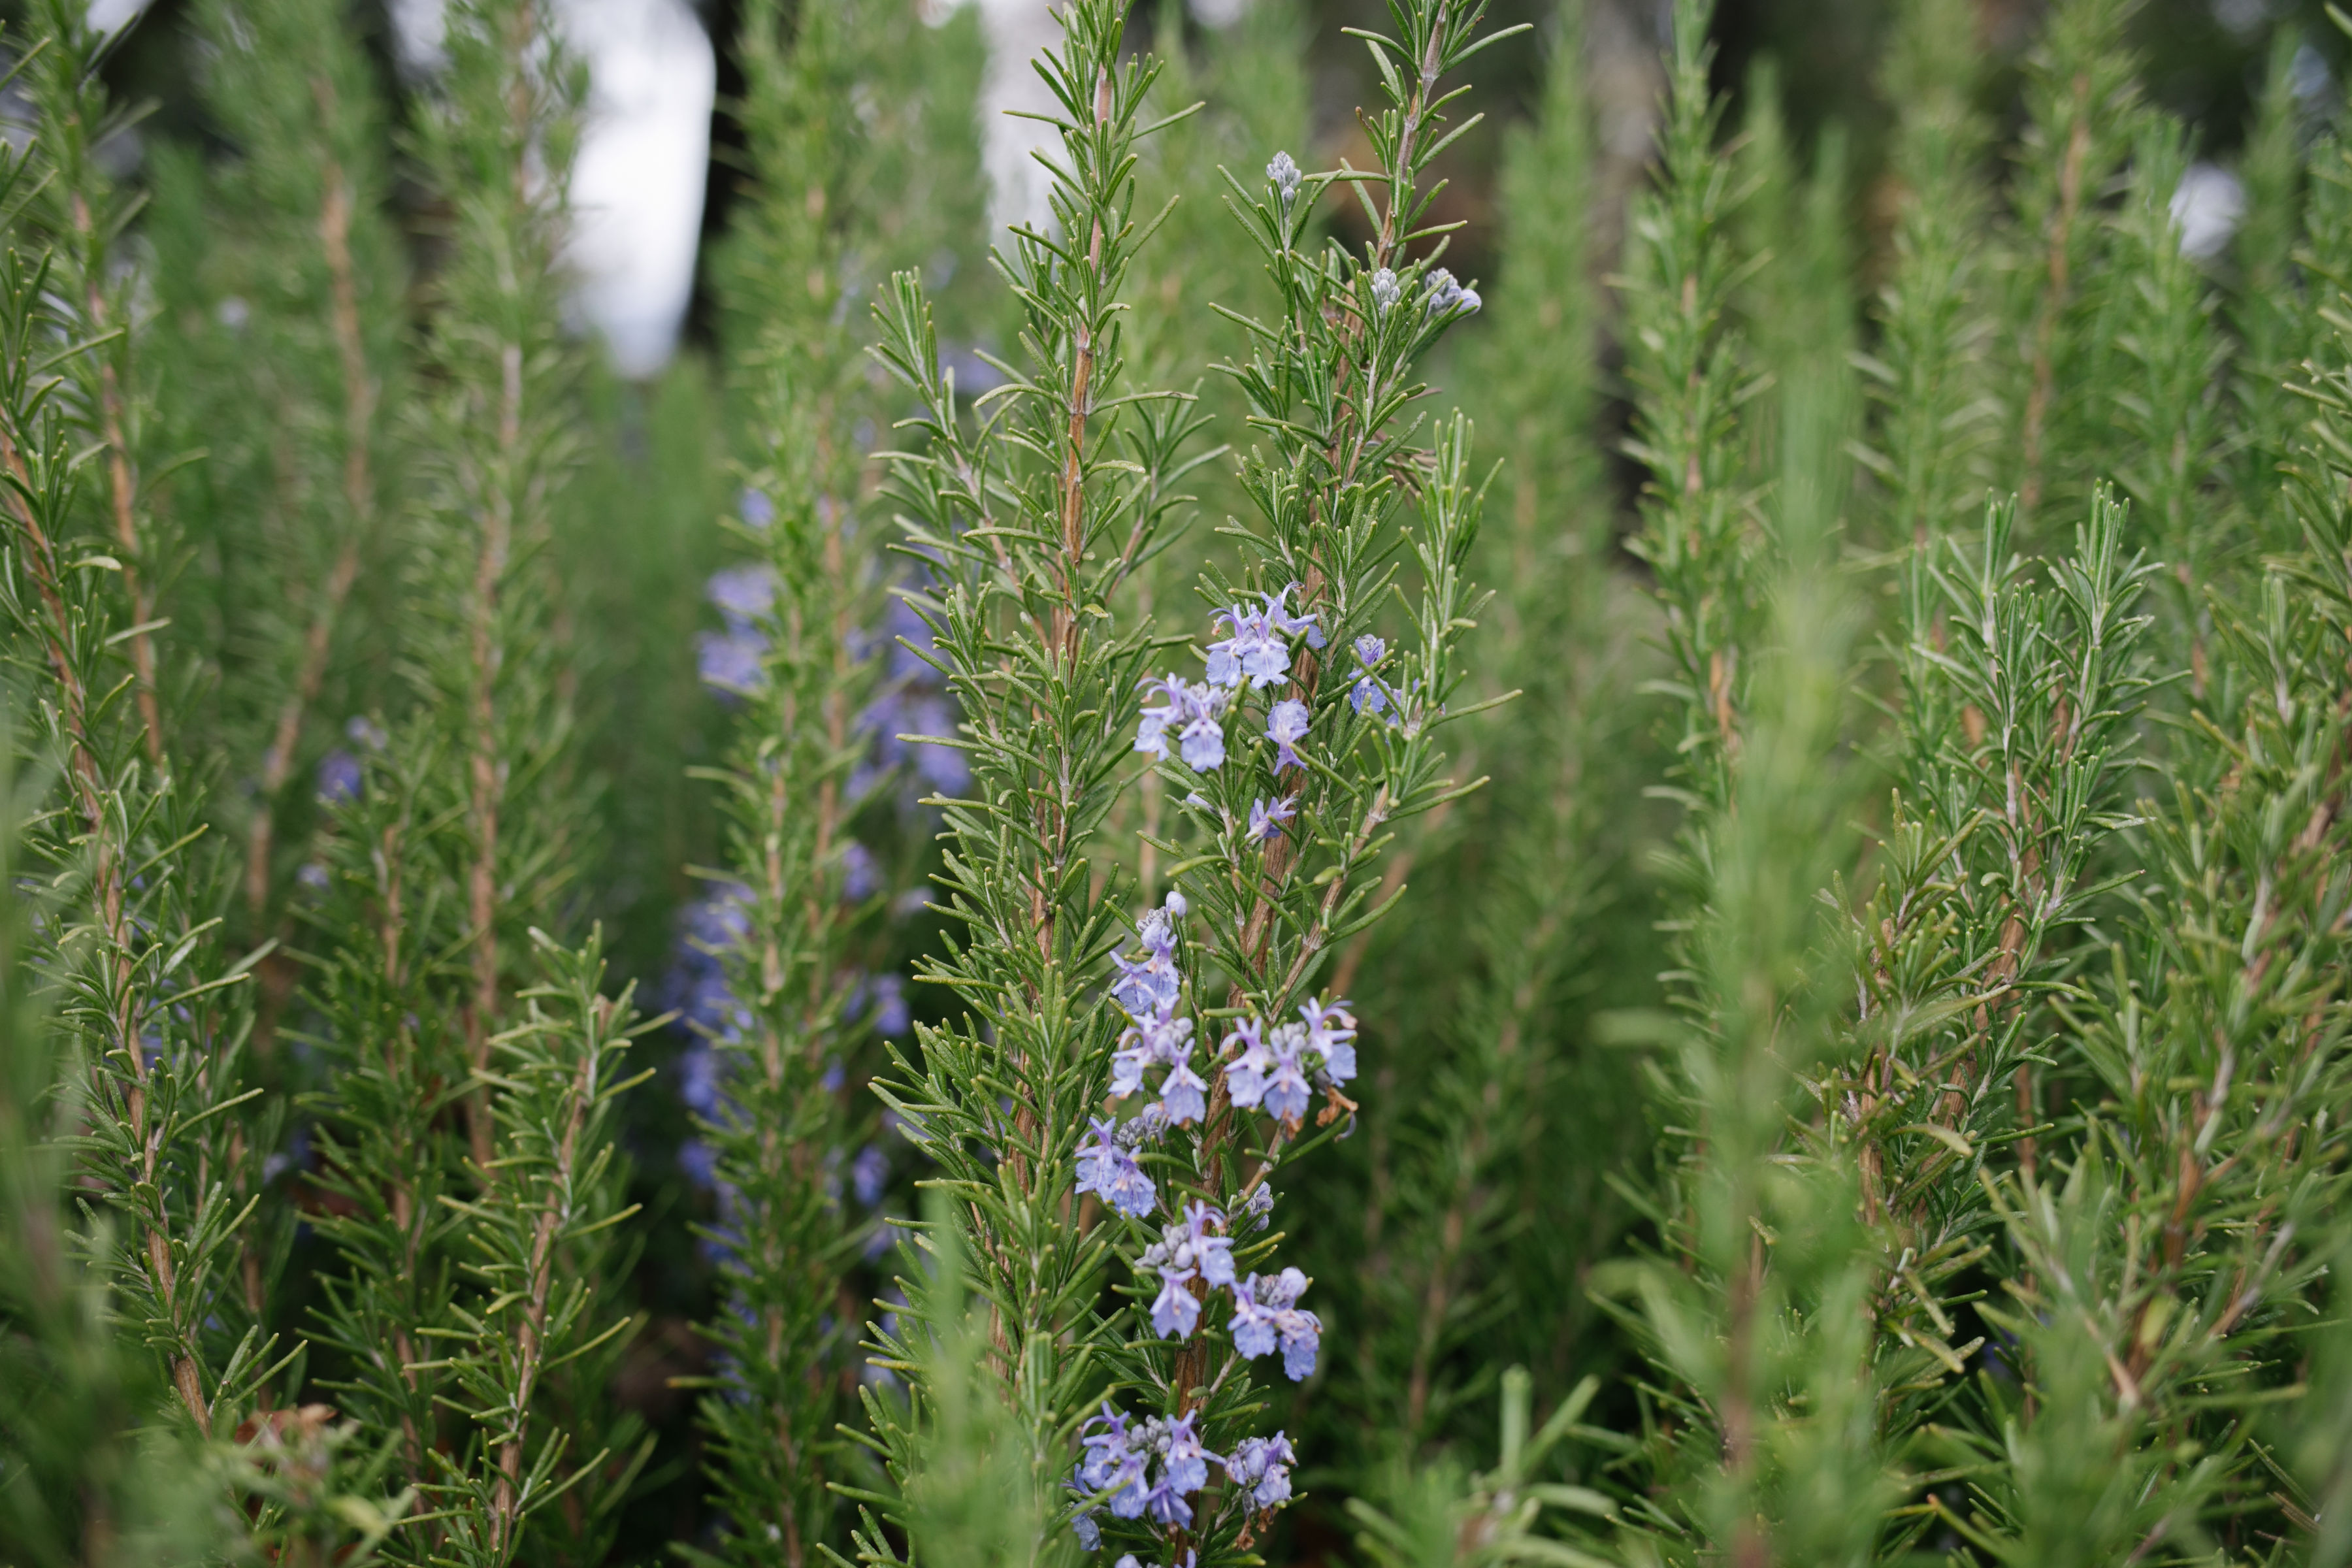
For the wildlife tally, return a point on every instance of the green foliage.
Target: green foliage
(1867, 1051)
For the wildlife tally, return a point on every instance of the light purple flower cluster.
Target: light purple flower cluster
(340, 776)
(912, 703)
(1266, 1306)
(1286, 725)
(1261, 1466)
(1258, 650)
(1448, 298)
(1105, 1167)
(1147, 989)
(1369, 692)
(1119, 1459)
(732, 660)
(1266, 1312)
(1274, 1067)
(1185, 1252)
(1189, 713)
(1256, 653)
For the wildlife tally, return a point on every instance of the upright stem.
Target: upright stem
(106, 873)
(359, 505)
(123, 488)
(505, 1503)
(486, 788)
(2053, 296)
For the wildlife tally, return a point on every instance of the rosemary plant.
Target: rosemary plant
(1867, 1055)
(1035, 520)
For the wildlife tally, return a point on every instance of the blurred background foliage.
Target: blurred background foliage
(2203, 61)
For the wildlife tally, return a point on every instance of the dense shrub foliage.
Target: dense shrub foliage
(1177, 889)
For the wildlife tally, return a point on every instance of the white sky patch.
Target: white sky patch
(2207, 208)
(113, 15)
(416, 33)
(1018, 186)
(637, 182)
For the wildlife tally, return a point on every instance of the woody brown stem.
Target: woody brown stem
(107, 854)
(486, 787)
(123, 490)
(359, 505)
(529, 1348)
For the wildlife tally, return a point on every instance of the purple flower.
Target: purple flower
(720, 919)
(1261, 1466)
(859, 877)
(1265, 1309)
(1167, 1505)
(1279, 619)
(699, 1161)
(1285, 1093)
(887, 996)
(1245, 1075)
(1146, 987)
(1156, 928)
(896, 716)
(1204, 745)
(1287, 723)
(700, 1076)
(1152, 725)
(1189, 1245)
(1180, 1450)
(1183, 1093)
(1126, 1065)
(868, 1173)
(1254, 1327)
(1367, 693)
(339, 777)
(1258, 650)
(754, 507)
(1370, 650)
(1302, 1333)
(1331, 1033)
(1154, 1039)
(1259, 1206)
(731, 661)
(1191, 713)
(1225, 655)
(1114, 1463)
(1176, 1311)
(1266, 818)
(1104, 1449)
(745, 595)
(1106, 1169)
